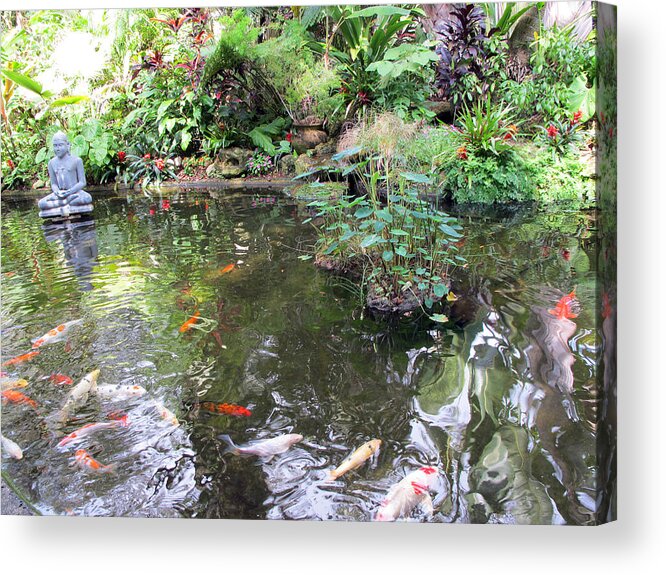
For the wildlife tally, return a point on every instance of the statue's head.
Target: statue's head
(60, 144)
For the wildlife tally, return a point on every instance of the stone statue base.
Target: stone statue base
(65, 211)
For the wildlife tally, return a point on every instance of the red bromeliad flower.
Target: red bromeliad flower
(552, 131)
(363, 97)
(159, 164)
(121, 156)
(289, 136)
(577, 116)
(462, 152)
(146, 157)
(10, 164)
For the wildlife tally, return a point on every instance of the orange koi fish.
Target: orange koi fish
(13, 396)
(60, 379)
(225, 409)
(189, 323)
(86, 430)
(55, 334)
(563, 308)
(21, 358)
(227, 269)
(84, 460)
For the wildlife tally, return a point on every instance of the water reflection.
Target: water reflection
(79, 244)
(503, 407)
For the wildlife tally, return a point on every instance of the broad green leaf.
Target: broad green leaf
(449, 231)
(440, 290)
(401, 251)
(79, 146)
(24, 81)
(417, 178)
(371, 240)
(387, 255)
(164, 106)
(67, 100)
(41, 155)
(363, 212)
(91, 130)
(185, 139)
(397, 232)
(439, 317)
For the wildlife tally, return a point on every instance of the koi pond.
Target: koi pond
(199, 301)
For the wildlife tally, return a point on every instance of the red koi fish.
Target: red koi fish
(21, 358)
(84, 460)
(189, 323)
(225, 409)
(86, 430)
(60, 379)
(563, 308)
(55, 334)
(13, 396)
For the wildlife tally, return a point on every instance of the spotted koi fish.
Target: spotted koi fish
(83, 432)
(225, 409)
(189, 323)
(21, 358)
(405, 495)
(84, 460)
(55, 334)
(564, 307)
(13, 396)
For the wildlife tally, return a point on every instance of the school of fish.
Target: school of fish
(409, 493)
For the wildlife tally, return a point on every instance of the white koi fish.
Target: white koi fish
(266, 448)
(55, 334)
(11, 448)
(165, 413)
(83, 432)
(411, 491)
(78, 396)
(119, 392)
(356, 459)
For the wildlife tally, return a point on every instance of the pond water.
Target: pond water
(504, 406)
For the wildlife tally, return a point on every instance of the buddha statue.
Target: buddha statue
(67, 195)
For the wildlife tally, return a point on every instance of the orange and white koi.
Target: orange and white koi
(21, 358)
(165, 413)
(83, 432)
(189, 323)
(78, 396)
(9, 383)
(266, 448)
(13, 396)
(60, 379)
(405, 495)
(11, 448)
(356, 459)
(84, 460)
(119, 392)
(563, 308)
(55, 334)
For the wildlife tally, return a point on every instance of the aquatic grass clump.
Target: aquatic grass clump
(404, 243)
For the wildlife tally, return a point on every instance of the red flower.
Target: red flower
(10, 164)
(462, 152)
(363, 97)
(159, 164)
(577, 116)
(146, 157)
(289, 136)
(166, 204)
(511, 132)
(121, 156)
(552, 131)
